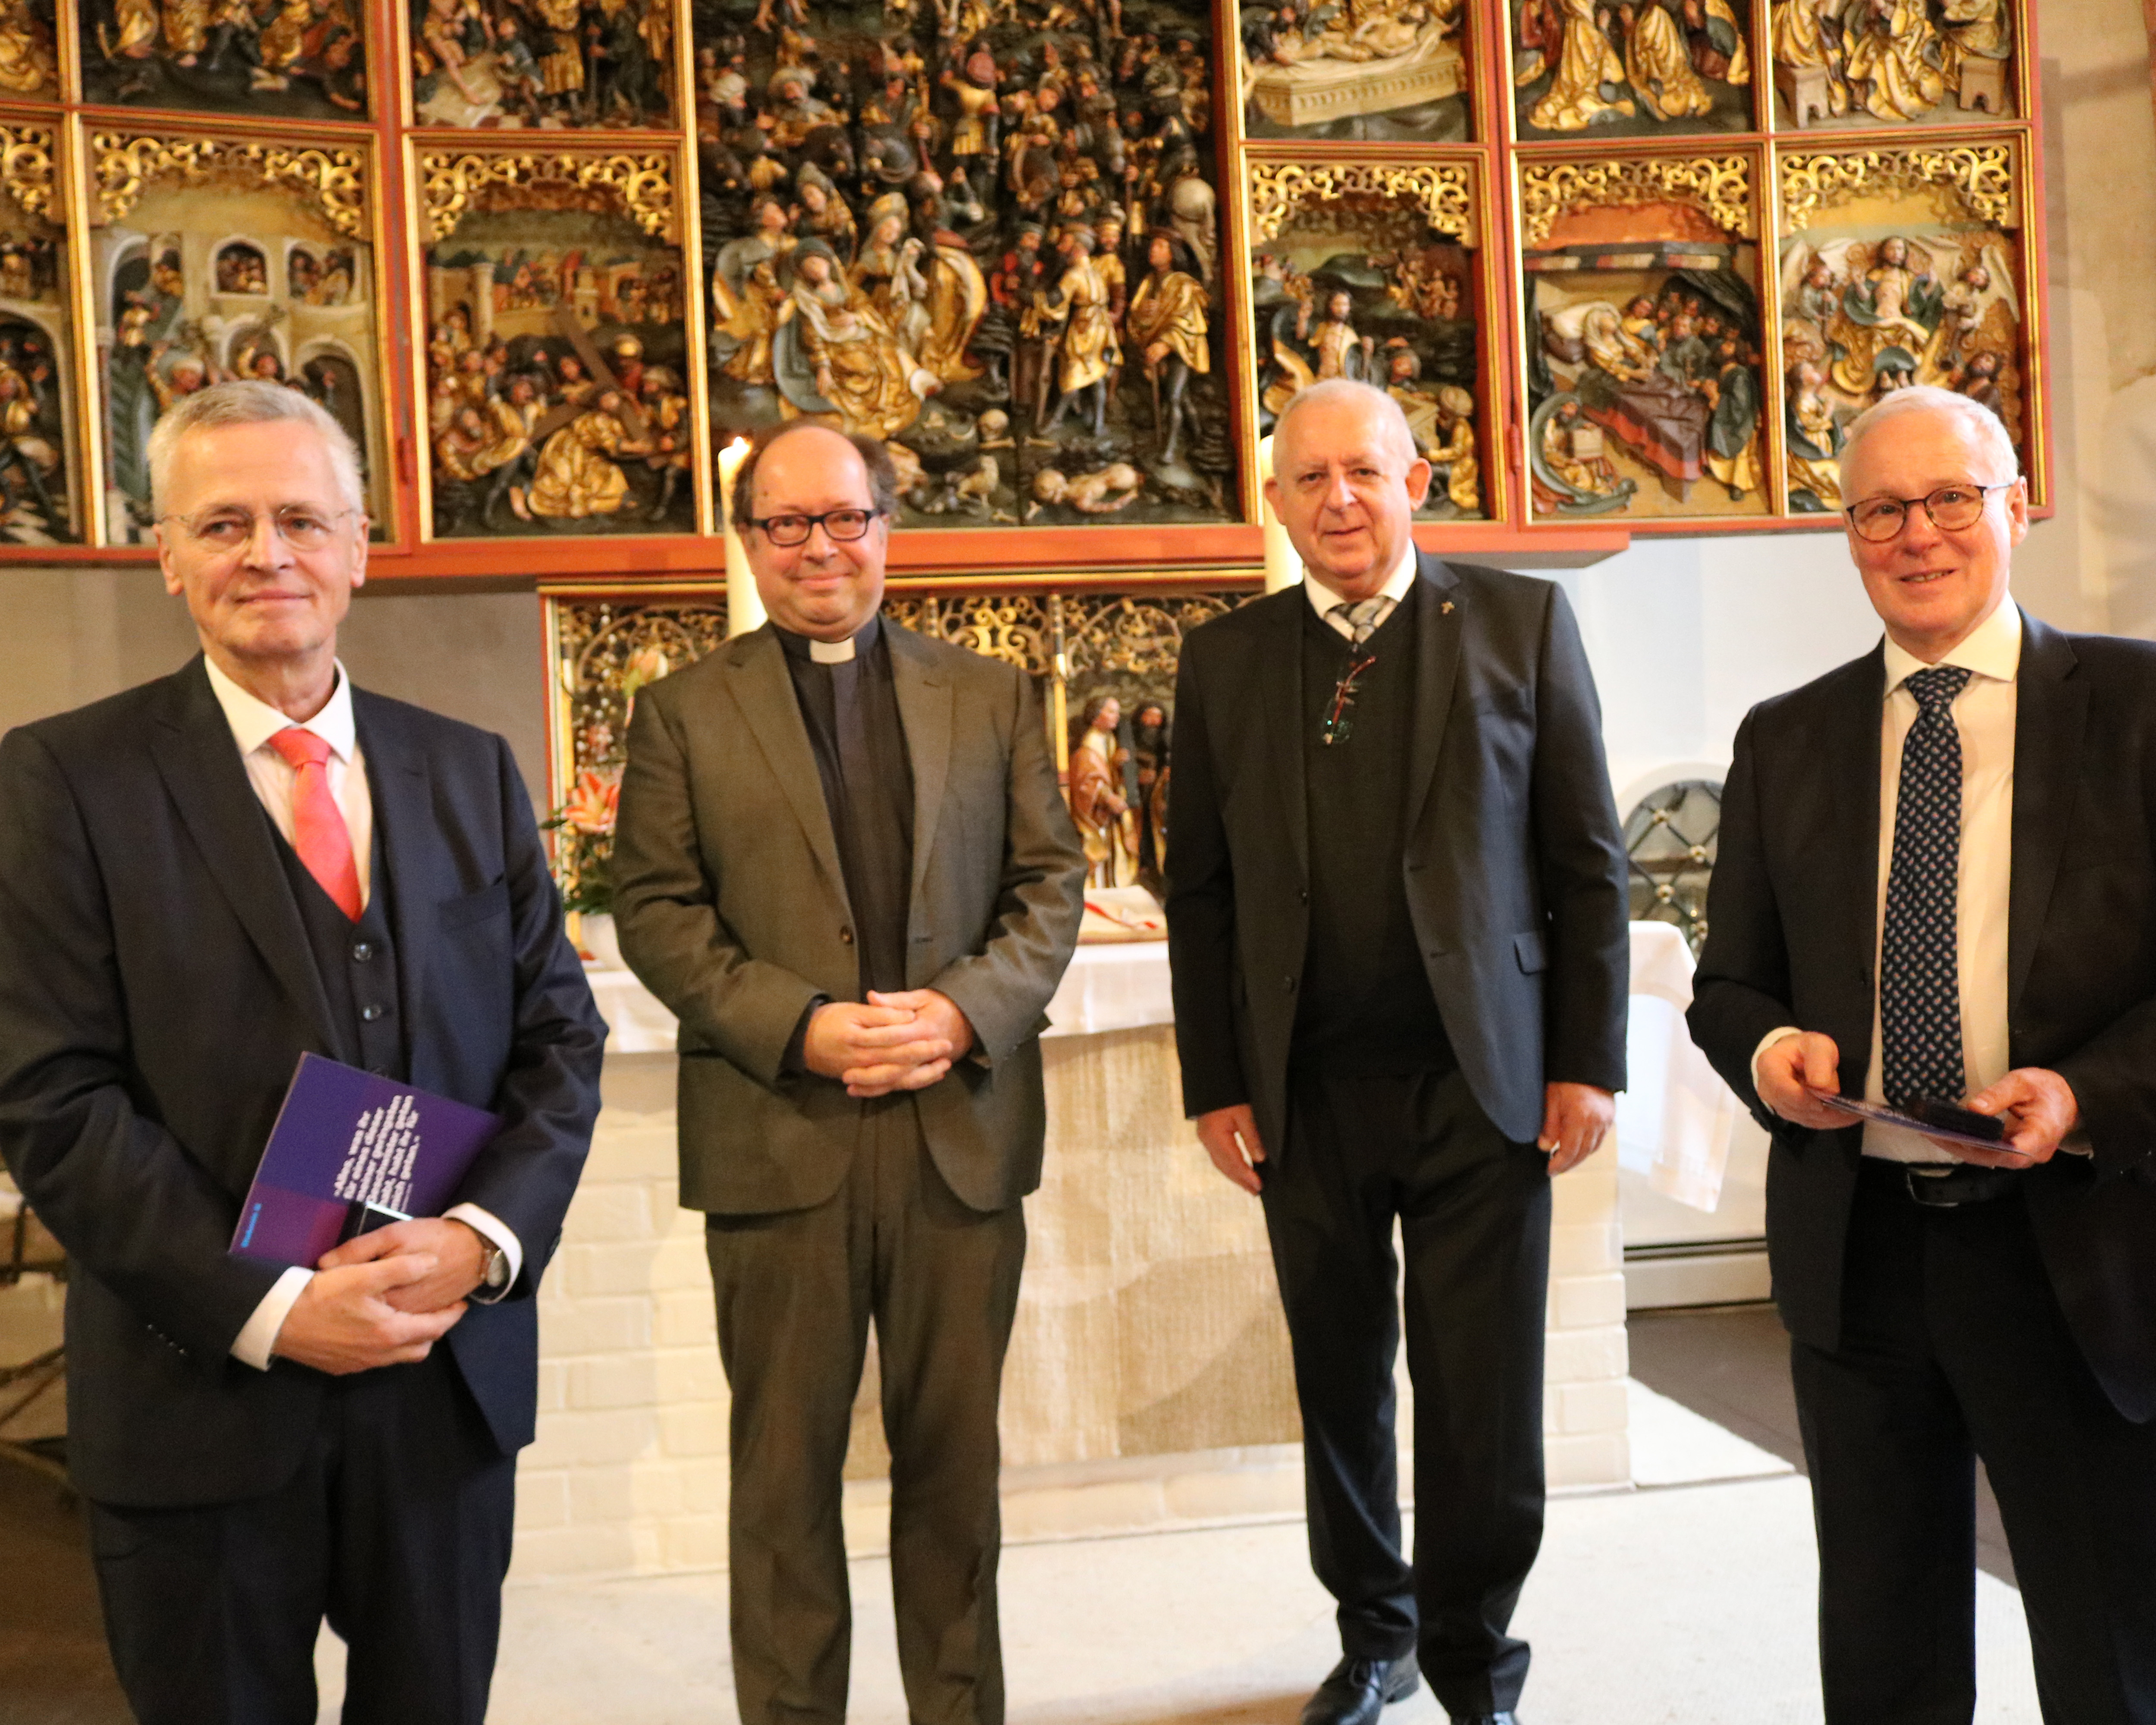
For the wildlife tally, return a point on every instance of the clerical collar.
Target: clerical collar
(856, 645)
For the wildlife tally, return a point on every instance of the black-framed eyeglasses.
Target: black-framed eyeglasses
(1339, 722)
(300, 526)
(842, 524)
(1950, 507)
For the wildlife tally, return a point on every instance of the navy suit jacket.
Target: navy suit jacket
(1514, 865)
(1792, 920)
(156, 989)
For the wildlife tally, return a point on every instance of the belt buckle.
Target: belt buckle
(1936, 1197)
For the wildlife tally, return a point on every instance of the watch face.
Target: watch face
(497, 1268)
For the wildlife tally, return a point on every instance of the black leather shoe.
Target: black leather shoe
(1486, 1719)
(1356, 1691)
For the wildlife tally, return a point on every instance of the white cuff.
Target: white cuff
(493, 1228)
(257, 1337)
(1767, 1042)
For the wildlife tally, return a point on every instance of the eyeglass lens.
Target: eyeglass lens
(842, 524)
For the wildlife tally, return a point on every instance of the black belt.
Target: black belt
(1943, 1185)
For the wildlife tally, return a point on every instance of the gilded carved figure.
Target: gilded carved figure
(1890, 62)
(1631, 68)
(303, 60)
(986, 234)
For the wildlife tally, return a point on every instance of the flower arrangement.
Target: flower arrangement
(584, 842)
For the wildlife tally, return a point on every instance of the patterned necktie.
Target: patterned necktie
(319, 833)
(1919, 979)
(1361, 617)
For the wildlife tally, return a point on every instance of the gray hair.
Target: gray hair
(1983, 425)
(1392, 418)
(251, 401)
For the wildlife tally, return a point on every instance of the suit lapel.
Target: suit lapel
(1277, 693)
(924, 708)
(1841, 743)
(208, 782)
(763, 692)
(1437, 626)
(398, 783)
(2051, 717)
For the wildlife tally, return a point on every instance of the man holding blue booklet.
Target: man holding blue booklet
(201, 881)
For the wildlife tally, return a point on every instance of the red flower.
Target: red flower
(591, 805)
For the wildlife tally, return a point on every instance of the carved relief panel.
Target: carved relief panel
(226, 257)
(557, 361)
(1366, 271)
(1641, 337)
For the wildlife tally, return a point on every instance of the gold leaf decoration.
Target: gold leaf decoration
(641, 183)
(26, 166)
(333, 179)
(1719, 186)
(1979, 176)
(1440, 189)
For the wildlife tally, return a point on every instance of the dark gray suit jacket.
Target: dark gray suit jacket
(731, 906)
(1792, 919)
(156, 989)
(1514, 865)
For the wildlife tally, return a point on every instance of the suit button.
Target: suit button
(362, 951)
(1303, 894)
(1288, 982)
(369, 1014)
(847, 936)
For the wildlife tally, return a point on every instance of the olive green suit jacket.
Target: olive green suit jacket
(732, 906)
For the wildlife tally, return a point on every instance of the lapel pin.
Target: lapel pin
(1445, 609)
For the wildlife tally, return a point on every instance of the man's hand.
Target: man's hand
(869, 1046)
(1230, 1138)
(1788, 1071)
(343, 1322)
(458, 1249)
(1575, 1119)
(2039, 1108)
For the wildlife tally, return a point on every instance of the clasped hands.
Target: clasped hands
(1576, 1118)
(384, 1298)
(2037, 1105)
(887, 1042)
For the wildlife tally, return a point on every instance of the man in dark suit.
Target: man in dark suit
(1935, 881)
(843, 863)
(200, 880)
(1397, 918)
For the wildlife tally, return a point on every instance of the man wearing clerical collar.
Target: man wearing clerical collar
(842, 860)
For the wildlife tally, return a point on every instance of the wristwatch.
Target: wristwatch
(494, 1279)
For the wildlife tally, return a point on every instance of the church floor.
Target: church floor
(1689, 1599)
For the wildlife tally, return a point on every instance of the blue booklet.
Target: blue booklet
(350, 1152)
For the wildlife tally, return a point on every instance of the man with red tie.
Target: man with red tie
(200, 880)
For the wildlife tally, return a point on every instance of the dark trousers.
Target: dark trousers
(1953, 1347)
(1473, 1209)
(396, 1528)
(797, 1292)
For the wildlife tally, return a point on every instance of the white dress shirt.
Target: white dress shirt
(1323, 598)
(1984, 716)
(253, 722)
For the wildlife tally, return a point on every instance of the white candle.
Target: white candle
(1283, 567)
(744, 603)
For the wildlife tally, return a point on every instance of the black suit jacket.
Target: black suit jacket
(1514, 866)
(1792, 939)
(156, 989)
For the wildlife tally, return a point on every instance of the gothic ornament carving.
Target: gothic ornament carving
(1720, 186)
(333, 180)
(26, 167)
(641, 183)
(1975, 178)
(1440, 189)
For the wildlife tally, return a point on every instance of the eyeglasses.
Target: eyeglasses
(1951, 509)
(842, 524)
(302, 528)
(1339, 723)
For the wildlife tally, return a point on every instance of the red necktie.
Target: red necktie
(319, 833)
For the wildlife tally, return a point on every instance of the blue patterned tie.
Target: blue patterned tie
(1919, 979)
(1360, 618)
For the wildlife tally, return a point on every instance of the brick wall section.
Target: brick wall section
(628, 1475)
